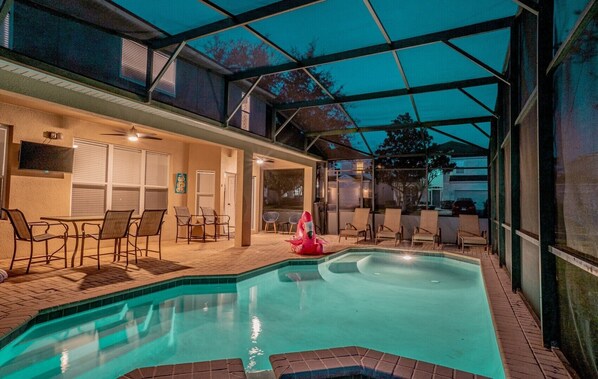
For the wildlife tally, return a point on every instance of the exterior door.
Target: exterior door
(229, 196)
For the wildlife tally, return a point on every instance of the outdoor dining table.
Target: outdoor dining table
(74, 220)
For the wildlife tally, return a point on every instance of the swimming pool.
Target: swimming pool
(423, 307)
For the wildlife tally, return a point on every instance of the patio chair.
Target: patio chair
(293, 221)
(24, 231)
(428, 230)
(270, 218)
(358, 226)
(148, 226)
(211, 218)
(469, 232)
(392, 227)
(188, 222)
(114, 227)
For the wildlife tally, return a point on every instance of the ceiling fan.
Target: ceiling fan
(133, 135)
(262, 160)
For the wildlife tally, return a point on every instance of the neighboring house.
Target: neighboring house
(469, 179)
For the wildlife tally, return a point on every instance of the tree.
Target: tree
(287, 86)
(409, 147)
(282, 184)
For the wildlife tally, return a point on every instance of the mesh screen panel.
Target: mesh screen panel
(575, 118)
(529, 172)
(508, 194)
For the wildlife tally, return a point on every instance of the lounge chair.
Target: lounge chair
(188, 221)
(148, 226)
(213, 219)
(392, 227)
(469, 232)
(428, 230)
(271, 218)
(114, 227)
(25, 232)
(359, 226)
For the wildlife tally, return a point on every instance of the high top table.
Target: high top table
(74, 220)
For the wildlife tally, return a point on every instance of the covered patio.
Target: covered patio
(484, 108)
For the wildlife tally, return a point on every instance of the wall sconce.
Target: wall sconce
(52, 135)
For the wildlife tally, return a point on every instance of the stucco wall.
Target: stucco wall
(43, 194)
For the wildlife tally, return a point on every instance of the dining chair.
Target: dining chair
(188, 221)
(25, 232)
(293, 221)
(215, 221)
(149, 225)
(114, 227)
(270, 218)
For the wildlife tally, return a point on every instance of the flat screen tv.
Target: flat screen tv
(39, 156)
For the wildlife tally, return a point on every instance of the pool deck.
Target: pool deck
(46, 286)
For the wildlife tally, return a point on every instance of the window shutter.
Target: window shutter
(168, 80)
(124, 199)
(88, 200)
(156, 199)
(126, 166)
(156, 169)
(134, 61)
(5, 31)
(90, 162)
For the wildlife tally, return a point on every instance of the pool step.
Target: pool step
(346, 264)
(299, 273)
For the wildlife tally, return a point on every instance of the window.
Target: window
(5, 32)
(3, 153)
(245, 113)
(134, 66)
(117, 178)
(204, 190)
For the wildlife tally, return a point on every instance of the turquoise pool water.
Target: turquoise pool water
(428, 308)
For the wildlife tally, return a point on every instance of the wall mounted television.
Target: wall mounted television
(43, 157)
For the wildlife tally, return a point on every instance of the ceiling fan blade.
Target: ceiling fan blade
(113, 134)
(150, 137)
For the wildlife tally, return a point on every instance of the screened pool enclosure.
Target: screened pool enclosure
(375, 103)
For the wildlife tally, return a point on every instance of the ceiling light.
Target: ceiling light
(133, 138)
(260, 161)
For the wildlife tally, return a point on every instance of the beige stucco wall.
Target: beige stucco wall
(38, 194)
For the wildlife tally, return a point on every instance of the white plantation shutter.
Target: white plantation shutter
(156, 169)
(134, 61)
(125, 198)
(205, 188)
(134, 66)
(88, 200)
(90, 162)
(5, 31)
(168, 80)
(136, 179)
(126, 166)
(156, 198)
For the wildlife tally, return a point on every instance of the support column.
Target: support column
(515, 162)
(243, 198)
(501, 195)
(546, 182)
